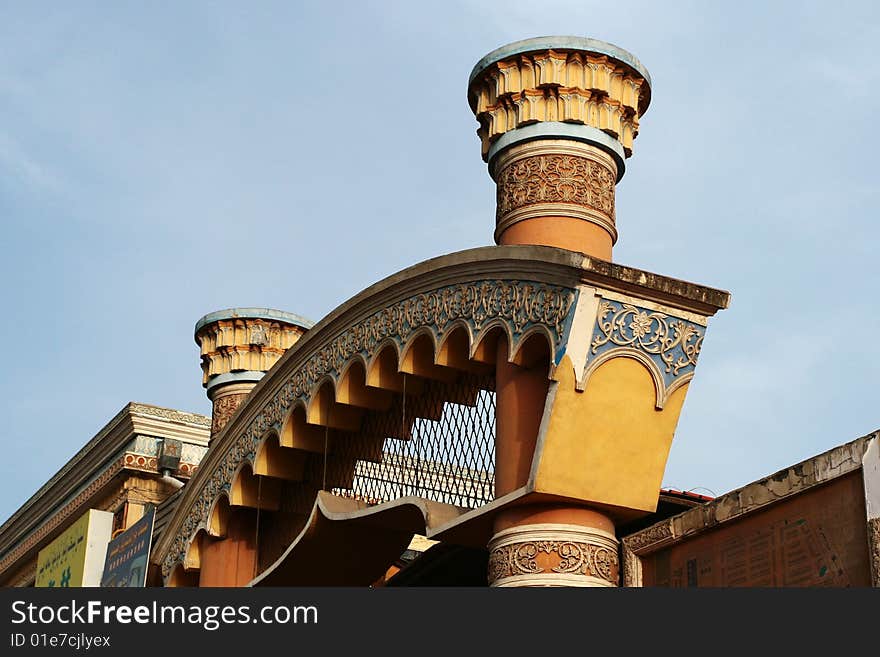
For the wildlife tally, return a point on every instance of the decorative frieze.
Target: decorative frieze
(648, 538)
(632, 567)
(554, 178)
(142, 452)
(168, 414)
(874, 550)
(74, 506)
(223, 408)
(673, 342)
(553, 555)
(147, 463)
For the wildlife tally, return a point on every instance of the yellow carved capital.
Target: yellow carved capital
(565, 84)
(243, 344)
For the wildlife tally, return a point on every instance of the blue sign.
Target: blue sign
(128, 554)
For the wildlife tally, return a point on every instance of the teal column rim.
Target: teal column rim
(559, 130)
(560, 43)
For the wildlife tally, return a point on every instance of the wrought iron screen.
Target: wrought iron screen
(437, 443)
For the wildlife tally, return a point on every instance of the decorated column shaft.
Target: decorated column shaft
(581, 445)
(238, 346)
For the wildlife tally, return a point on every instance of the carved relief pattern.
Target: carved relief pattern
(243, 343)
(572, 558)
(140, 462)
(575, 87)
(223, 409)
(874, 550)
(555, 178)
(170, 414)
(517, 305)
(632, 568)
(658, 533)
(147, 463)
(672, 343)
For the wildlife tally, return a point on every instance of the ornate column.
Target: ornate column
(556, 192)
(557, 117)
(238, 346)
(579, 549)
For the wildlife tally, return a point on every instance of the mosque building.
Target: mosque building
(499, 416)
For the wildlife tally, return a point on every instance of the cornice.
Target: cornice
(109, 440)
(61, 517)
(94, 458)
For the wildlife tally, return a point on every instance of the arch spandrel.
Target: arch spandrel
(667, 342)
(419, 358)
(455, 347)
(533, 347)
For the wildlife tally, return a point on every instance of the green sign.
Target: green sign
(76, 557)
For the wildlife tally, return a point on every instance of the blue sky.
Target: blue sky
(159, 161)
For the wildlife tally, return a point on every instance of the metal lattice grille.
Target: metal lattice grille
(437, 443)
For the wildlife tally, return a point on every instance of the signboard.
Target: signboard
(128, 554)
(76, 558)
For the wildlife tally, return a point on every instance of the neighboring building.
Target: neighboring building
(498, 416)
(816, 523)
(126, 466)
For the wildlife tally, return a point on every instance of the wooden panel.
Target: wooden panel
(816, 538)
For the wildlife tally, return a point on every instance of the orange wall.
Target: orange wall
(231, 561)
(816, 538)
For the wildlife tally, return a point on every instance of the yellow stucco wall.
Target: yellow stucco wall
(609, 443)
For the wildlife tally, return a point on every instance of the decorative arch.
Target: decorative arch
(351, 388)
(315, 397)
(534, 346)
(667, 345)
(274, 460)
(660, 391)
(218, 516)
(193, 558)
(253, 491)
(297, 433)
(485, 346)
(179, 577)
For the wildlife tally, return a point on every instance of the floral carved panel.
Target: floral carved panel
(668, 345)
(555, 178)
